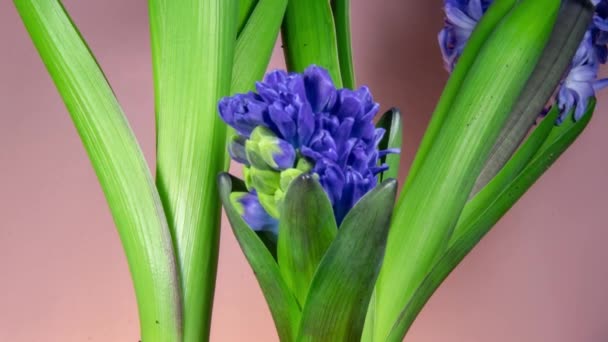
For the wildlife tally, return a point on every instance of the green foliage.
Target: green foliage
(533, 158)
(193, 50)
(307, 228)
(282, 303)
(495, 14)
(118, 163)
(343, 284)
(341, 12)
(429, 207)
(391, 122)
(255, 44)
(309, 37)
(573, 20)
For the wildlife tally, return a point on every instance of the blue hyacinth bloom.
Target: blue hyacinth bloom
(581, 81)
(310, 126)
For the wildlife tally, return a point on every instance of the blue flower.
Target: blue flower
(579, 84)
(297, 123)
(250, 209)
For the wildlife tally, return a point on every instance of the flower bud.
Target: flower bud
(266, 151)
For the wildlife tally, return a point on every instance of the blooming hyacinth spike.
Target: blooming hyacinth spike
(300, 123)
(581, 81)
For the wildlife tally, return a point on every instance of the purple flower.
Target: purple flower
(330, 130)
(579, 84)
(249, 207)
(461, 18)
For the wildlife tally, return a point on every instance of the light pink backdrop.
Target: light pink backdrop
(539, 276)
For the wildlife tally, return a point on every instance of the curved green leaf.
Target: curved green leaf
(245, 9)
(306, 229)
(192, 53)
(118, 162)
(341, 289)
(391, 122)
(309, 37)
(283, 305)
(495, 14)
(572, 22)
(473, 226)
(341, 12)
(255, 44)
(427, 212)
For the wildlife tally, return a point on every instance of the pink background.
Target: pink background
(539, 276)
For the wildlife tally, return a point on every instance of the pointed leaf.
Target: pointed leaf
(118, 162)
(473, 227)
(391, 122)
(510, 171)
(192, 53)
(428, 210)
(572, 22)
(340, 291)
(309, 37)
(489, 21)
(341, 12)
(245, 9)
(255, 44)
(306, 229)
(283, 306)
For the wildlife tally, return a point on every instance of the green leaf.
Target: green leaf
(255, 44)
(340, 291)
(118, 163)
(309, 37)
(572, 23)
(341, 12)
(306, 229)
(489, 21)
(283, 305)
(193, 51)
(509, 172)
(391, 122)
(474, 226)
(428, 210)
(245, 9)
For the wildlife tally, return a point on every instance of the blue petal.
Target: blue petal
(255, 216)
(320, 89)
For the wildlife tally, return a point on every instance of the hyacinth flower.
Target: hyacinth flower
(202, 50)
(311, 191)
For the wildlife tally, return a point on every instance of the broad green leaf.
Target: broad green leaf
(306, 229)
(245, 9)
(118, 163)
(309, 37)
(391, 122)
(193, 50)
(509, 171)
(255, 44)
(474, 226)
(489, 21)
(340, 291)
(283, 305)
(428, 210)
(572, 22)
(341, 12)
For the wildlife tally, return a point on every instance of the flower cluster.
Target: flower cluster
(580, 83)
(296, 123)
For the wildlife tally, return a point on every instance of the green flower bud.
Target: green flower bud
(265, 150)
(264, 181)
